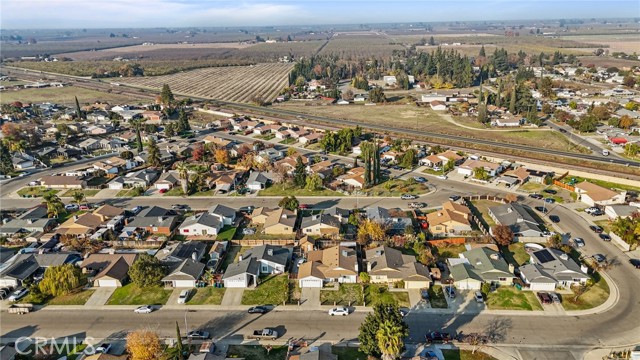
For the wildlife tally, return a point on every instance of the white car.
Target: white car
(340, 310)
(442, 177)
(479, 297)
(145, 309)
(71, 207)
(184, 295)
(18, 294)
(408, 197)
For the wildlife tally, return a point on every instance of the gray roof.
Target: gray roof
(257, 176)
(279, 255)
(325, 219)
(516, 217)
(400, 265)
(187, 269)
(202, 219)
(38, 212)
(170, 177)
(556, 264)
(26, 225)
(623, 210)
(6, 253)
(335, 211)
(154, 211)
(484, 264)
(182, 250)
(26, 264)
(251, 266)
(382, 215)
(153, 221)
(223, 211)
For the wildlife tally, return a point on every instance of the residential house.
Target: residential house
(259, 260)
(183, 274)
(592, 195)
(339, 213)
(387, 265)
(441, 159)
(98, 116)
(21, 160)
(108, 270)
(225, 214)
(257, 181)
(203, 224)
(280, 221)
(167, 180)
(394, 221)
(33, 221)
(89, 144)
(468, 166)
(98, 130)
(520, 174)
(517, 218)
(84, 225)
(509, 121)
(165, 157)
(259, 215)
(354, 178)
(117, 183)
(114, 165)
(182, 250)
(269, 155)
(216, 254)
(24, 266)
(322, 169)
(337, 264)
(620, 211)
(311, 138)
(62, 182)
(320, 224)
(438, 105)
(552, 268)
(478, 266)
(155, 220)
(141, 178)
(152, 117)
(539, 177)
(451, 220)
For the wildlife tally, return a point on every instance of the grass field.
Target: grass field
(450, 251)
(380, 294)
(437, 297)
(36, 191)
(77, 298)
(596, 295)
(272, 290)
(414, 117)
(132, 295)
(257, 352)
(457, 354)
(289, 190)
(347, 295)
(87, 192)
(207, 296)
(64, 96)
(348, 353)
(510, 298)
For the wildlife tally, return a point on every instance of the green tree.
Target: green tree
(409, 159)
(314, 182)
(54, 205)
(127, 155)
(482, 52)
(546, 87)
(146, 271)
(183, 172)
(183, 121)
(289, 203)
(166, 96)
(480, 173)
(79, 113)
(382, 313)
(512, 102)
(179, 346)
(136, 124)
(78, 196)
(6, 164)
(482, 114)
(631, 149)
(61, 279)
(153, 151)
(170, 130)
(389, 338)
(300, 173)
(376, 95)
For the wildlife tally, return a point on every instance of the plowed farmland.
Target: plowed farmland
(232, 83)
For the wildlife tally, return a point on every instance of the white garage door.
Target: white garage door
(468, 285)
(542, 287)
(235, 283)
(416, 284)
(184, 283)
(311, 283)
(107, 283)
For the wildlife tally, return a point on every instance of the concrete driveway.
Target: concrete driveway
(310, 297)
(232, 297)
(100, 296)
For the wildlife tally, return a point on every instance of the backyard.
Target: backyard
(273, 290)
(131, 294)
(380, 294)
(347, 295)
(482, 207)
(207, 296)
(515, 254)
(226, 233)
(232, 255)
(510, 298)
(594, 296)
(449, 251)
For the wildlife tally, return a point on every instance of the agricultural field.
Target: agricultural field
(159, 52)
(64, 96)
(267, 52)
(627, 43)
(350, 46)
(414, 117)
(234, 83)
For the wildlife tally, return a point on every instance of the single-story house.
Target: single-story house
(167, 180)
(203, 224)
(335, 264)
(63, 182)
(518, 218)
(452, 219)
(387, 265)
(109, 270)
(264, 259)
(468, 166)
(257, 181)
(620, 211)
(549, 268)
(280, 221)
(480, 265)
(592, 194)
(181, 250)
(320, 224)
(225, 214)
(183, 274)
(24, 266)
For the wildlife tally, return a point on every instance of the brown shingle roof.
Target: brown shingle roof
(596, 192)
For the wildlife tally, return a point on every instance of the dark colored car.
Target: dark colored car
(536, 196)
(454, 197)
(605, 237)
(258, 310)
(304, 206)
(438, 337)
(550, 200)
(550, 191)
(635, 263)
(424, 293)
(542, 209)
(597, 213)
(596, 229)
(544, 298)
(554, 218)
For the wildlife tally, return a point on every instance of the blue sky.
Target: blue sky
(210, 13)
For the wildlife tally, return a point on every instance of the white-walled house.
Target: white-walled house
(203, 224)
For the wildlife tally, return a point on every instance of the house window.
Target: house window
(502, 279)
(185, 230)
(307, 230)
(154, 228)
(265, 268)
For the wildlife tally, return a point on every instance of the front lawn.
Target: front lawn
(510, 298)
(380, 294)
(226, 233)
(532, 187)
(347, 295)
(450, 251)
(289, 190)
(348, 353)
(596, 295)
(133, 192)
(87, 192)
(207, 296)
(272, 290)
(133, 295)
(288, 141)
(397, 187)
(175, 191)
(437, 297)
(257, 352)
(36, 191)
(77, 298)
(515, 254)
(457, 354)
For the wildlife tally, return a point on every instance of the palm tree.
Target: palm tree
(78, 197)
(136, 124)
(389, 340)
(54, 205)
(183, 171)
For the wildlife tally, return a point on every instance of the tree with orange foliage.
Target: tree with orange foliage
(503, 234)
(626, 122)
(221, 156)
(198, 153)
(144, 344)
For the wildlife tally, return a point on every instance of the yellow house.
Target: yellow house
(453, 219)
(280, 221)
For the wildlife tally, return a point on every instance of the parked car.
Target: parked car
(71, 207)
(542, 209)
(604, 237)
(554, 218)
(103, 348)
(179, 207)
(438, 337)
(184, 296)
(550, 200)
(579, 242)
(591, 210)
(340, 310)
(18, 294)
(247, 209)
(404, 311)
(555, 298)
(265, 333)
(248, 231)
(596, 229)
(442, 177)
(162, 191)
(304, 206)
(544, 298)
(635, 263)
(136, 210)
(599, 258)
(408, 197)
(597, 213)
(424, 293)
(417, 205)
(196, 334)
(258, 310)
(420, 179)
(429, 355)
(451, 291)
(536, 196)
(454, 197)
(144, 309)
(550, 191)
(479, 297)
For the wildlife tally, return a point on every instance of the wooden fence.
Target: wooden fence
(564, 186)
(250, 242)
(135, 244)
(447, 241)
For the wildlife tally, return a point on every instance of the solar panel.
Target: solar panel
(544, 256)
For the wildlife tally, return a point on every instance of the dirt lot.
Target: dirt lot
(64, 96)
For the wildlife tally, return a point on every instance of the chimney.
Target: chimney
(356, 267)
(194, 256)
(439, 214)
(29, 221)
(378, 252)
(5, 220)
(511, 268)
(270, 252)
(584, 268)
(564, 256)
(239, 258)
(160, 218)
(509, 210)
(368, 266)
(345, 253)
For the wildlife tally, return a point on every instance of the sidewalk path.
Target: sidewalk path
(310, 298)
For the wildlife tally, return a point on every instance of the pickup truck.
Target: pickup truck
(265, 333)
(20, 308)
